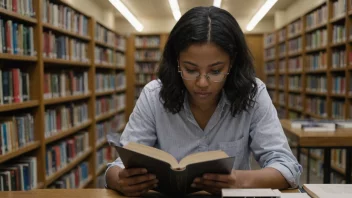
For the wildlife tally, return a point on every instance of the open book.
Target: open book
(174, 177)
(328, 190)
(259, 193)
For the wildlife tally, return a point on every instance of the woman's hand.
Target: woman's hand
(213, 183)
(135, 181)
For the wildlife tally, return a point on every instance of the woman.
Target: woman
(207, 98)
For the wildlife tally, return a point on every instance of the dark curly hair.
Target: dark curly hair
(202, 25)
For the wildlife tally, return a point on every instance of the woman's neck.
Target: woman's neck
(210, 106)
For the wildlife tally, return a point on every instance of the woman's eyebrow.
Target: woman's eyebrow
(211, 65)
(188, 62)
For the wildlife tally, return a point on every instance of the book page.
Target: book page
(153, 152)
(202, 157)
(263, 192)
(324, 190)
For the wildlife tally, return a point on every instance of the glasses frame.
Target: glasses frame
(206, 76)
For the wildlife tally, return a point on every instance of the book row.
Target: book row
(108, 56)
(109, 82)
(104, 156)
(109, 104)
(145, 67)
(316, 39)
(141, 55)
(64, 17)
(22, 7)
(108, 37)
(339, 8)
(317, 17)
(16, 132)
(65, 83)
(147, 41)
(16, 38)
(64, 117)
(73, 179)
(62, 153)
(20, 175)
(144, 78)
(14, 86)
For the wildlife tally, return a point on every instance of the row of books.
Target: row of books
(317, 17)
(16, 132)
(316, 105)
(316, 61)
(109, 82)
(145, 67)
(295, 101)
(109, 104)
(144, 78)
(109, 56)
(63, 47)
(294, 28)
(269, 53)
(73, 179)
(16, 38)
(295, 45)
(339, 8)
(270, 81)
(338, 33)
(64, 17)
(281, 35)
(316, 83)
(339, 58)
(295, 82)
(65, 83)
(20, 175)
(282, 81)
(22, 7)
(147, 41)
(60, 154)
(282, 99)
(104, 156)
(269, 67)
(282, 50)
(339, 84)
(64, 117)
(294, 64)
(338, 109)
(103, 128)
(14, 86)
(141, 55)
(108, 37)
(316, 39)
(282, 66)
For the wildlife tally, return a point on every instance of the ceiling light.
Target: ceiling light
(260, 14)
(127, 14)
(217, 3)
(175, 9)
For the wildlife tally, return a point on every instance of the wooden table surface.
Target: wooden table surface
(341, 137)
(88, 193)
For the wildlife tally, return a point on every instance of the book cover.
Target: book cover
(175, 178)
(328, 190)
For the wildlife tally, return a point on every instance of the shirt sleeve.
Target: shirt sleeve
(268, 141)
(141, 125)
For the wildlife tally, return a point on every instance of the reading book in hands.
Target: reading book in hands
(175, 178)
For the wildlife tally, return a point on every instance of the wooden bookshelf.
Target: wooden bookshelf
(70, 166)
(17, 16)
(309, 27)
(20, 151)
(18, 106)
(101, 144)
(100, 170)
(61, 134)
(37, 66)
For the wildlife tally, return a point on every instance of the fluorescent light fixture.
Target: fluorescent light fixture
(217, 3)
(260, 14)
(175, 9)
(127, 14)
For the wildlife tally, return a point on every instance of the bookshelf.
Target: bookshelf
(315, 70)
(145, 51)
(55, 88)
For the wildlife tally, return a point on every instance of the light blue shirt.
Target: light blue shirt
(258, 131)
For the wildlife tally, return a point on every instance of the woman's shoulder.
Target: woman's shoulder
(260, 84)
(153, 86)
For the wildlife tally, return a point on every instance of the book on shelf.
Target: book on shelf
(14, 86)
(16, 132)
(328, 190)
(175, 177)
(74, 179)
(21, 175)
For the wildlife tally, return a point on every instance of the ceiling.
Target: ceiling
(151, 9)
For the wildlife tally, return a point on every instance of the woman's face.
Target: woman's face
(203, 59)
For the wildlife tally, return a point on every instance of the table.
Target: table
(340, 139)
(90, 193)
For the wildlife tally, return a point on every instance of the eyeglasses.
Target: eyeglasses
(194, 75)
